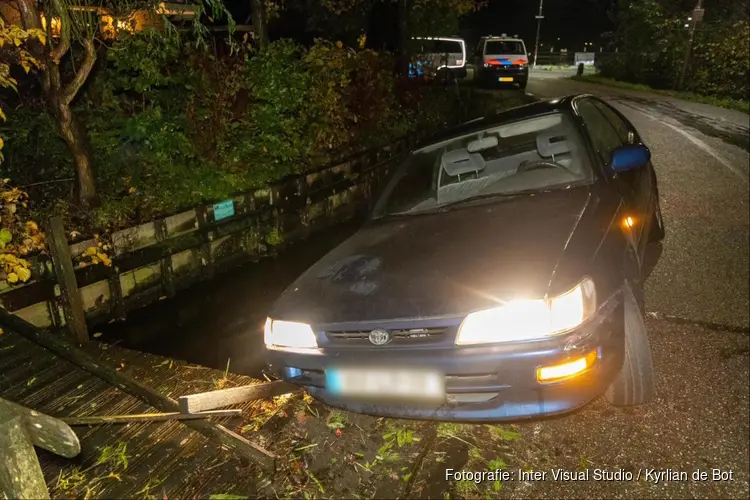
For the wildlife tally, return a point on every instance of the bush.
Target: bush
(171, 126)
(721, 62)
(652, 44)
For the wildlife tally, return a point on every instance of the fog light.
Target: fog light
(566, 370)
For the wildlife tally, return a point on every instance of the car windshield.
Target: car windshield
(497, 47)
(525, 156)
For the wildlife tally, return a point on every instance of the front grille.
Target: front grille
(409, 335)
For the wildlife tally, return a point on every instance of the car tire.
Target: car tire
(657, 232)
(636, 382)
(522, 85)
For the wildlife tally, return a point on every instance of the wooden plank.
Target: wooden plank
(66, 278)
(167, 274)
(148, 417)
(20, 473)
(131, 386)
(44, 431)
(195, 403)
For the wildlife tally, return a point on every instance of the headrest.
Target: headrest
(460, 161)
(552, 143)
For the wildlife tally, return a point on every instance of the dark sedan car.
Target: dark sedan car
(499, 277)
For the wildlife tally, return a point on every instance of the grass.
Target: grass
(75, 482)
(735, 104)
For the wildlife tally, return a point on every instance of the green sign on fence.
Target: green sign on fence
(223, 209)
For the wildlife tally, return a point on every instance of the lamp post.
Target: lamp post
(694, 19)
(539, 18)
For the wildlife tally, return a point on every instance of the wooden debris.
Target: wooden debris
(148, 417)
(46, 432)
(128, 384)
(195, 403)
(20, 473)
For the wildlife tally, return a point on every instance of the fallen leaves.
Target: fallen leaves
(95, 254)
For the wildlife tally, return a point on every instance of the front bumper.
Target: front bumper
(483, 383)
(493, 73)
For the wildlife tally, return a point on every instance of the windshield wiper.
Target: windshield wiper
(427, 211)
(513, 194)
(448, 206)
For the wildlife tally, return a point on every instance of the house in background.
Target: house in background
(176, 12)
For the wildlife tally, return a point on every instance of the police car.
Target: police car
(438, 57)
(502, 59)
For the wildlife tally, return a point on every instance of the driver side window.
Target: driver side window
(603, 135)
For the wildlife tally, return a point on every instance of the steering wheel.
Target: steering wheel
(525, 166)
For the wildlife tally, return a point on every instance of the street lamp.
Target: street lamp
(539, 18)
(693, 20)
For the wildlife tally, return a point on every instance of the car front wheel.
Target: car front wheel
(657, 225)
(635, 383)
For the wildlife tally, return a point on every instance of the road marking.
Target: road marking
(709, 325)
(699, 143)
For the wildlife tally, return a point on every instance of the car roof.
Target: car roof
(504, 38)
(445, 38)
(537, 108)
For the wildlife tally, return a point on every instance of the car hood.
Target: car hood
(438, 265)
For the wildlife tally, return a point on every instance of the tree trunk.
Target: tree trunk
(59, 98)
(77, 141)
(403, 38)
(260, 22)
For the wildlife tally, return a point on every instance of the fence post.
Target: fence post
(20, 473)
(204, 251)
(70, 296)
(167, 274)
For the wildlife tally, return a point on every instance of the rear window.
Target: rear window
(501, 48)
(438, 47)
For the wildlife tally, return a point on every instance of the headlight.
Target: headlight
(486, 65)
(530, 319)
(288, 334)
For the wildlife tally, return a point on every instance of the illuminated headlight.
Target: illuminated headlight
(486, 65)
(530, 319)
(288, 334)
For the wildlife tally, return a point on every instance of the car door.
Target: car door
(604, 139)
(640, 180)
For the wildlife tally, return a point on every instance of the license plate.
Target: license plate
(386, 383)
(506, 78)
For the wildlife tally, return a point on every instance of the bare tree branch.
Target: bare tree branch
(72, 88)
(59, 50)
(29, 14)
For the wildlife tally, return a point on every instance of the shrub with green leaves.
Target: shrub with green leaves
(171, 125)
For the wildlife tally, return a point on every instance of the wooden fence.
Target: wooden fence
(156, 259)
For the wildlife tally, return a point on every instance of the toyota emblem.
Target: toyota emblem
(380, 337)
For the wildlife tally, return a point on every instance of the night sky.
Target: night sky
(573, 21)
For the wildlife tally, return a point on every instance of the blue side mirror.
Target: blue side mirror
(630, 157)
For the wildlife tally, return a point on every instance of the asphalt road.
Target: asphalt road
(700, 153)
(698, 317)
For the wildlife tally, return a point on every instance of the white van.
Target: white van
(438, 57)
(501, 59)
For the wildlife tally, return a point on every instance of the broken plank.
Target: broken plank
(46, 432)
(128, 384)
(147, 417)
(20, 473)
(236, 395)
